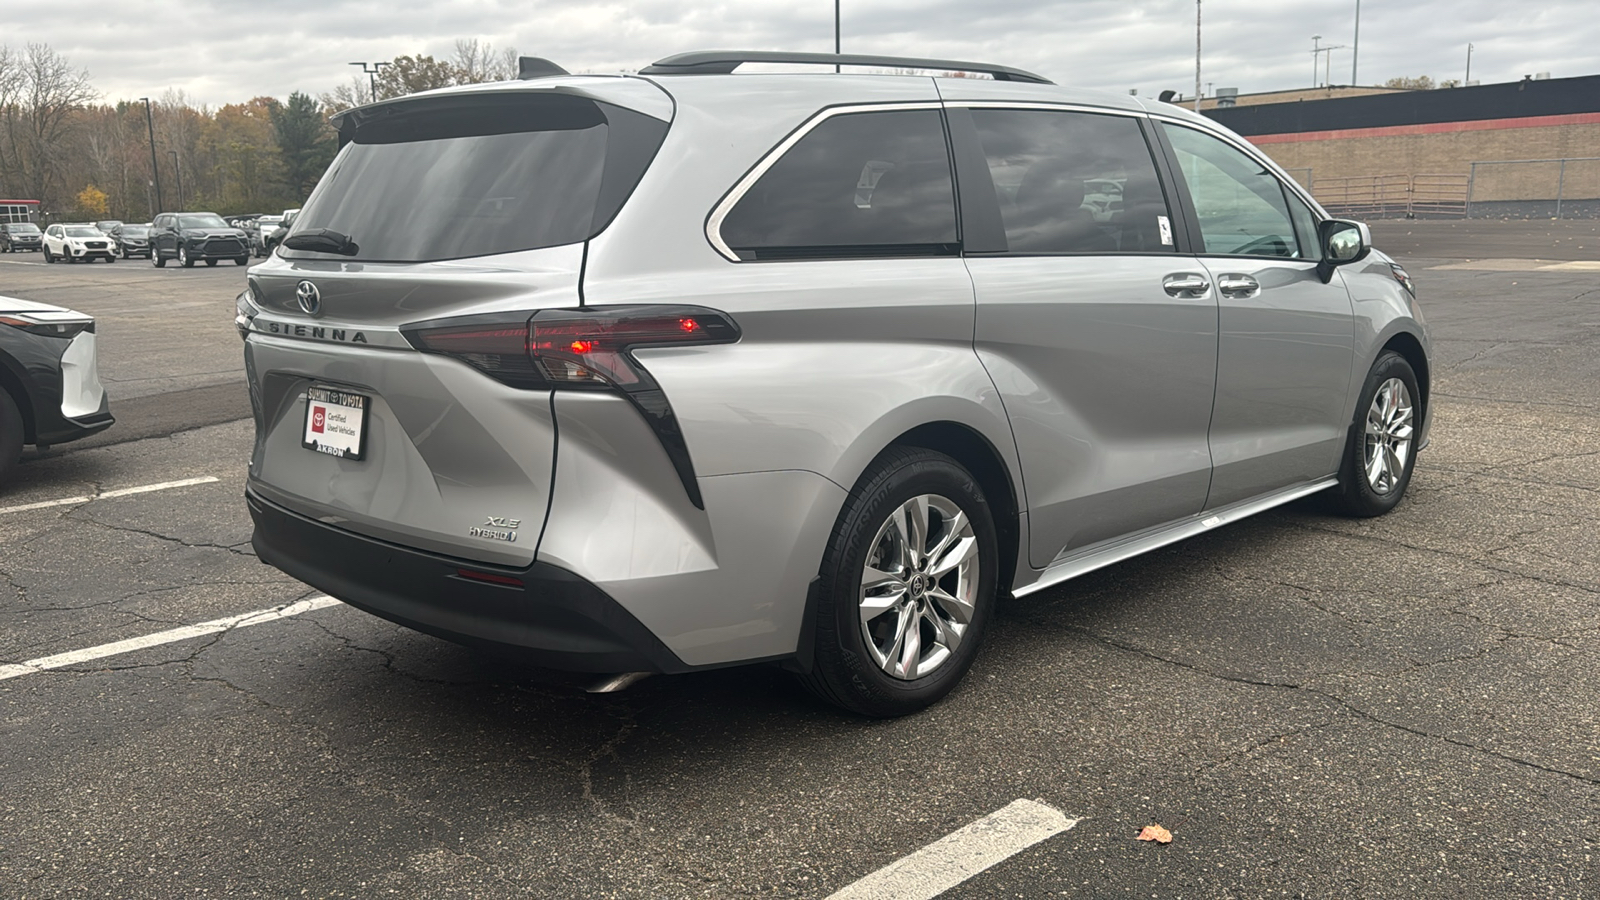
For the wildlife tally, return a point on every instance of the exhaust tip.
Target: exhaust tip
(614, 683)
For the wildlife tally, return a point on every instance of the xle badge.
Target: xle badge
(496, 529)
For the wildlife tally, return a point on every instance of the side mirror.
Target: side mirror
(1343, 242)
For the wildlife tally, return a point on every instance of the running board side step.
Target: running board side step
(1098, 557)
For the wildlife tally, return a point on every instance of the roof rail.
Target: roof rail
(531, 67)
(723, 62)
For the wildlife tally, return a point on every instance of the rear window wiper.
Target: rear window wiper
(322, 240)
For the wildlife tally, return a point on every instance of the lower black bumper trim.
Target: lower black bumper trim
(548, 617)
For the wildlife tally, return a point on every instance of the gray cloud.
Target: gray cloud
(220, 52)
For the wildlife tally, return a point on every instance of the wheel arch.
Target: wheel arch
(978, 455)
(1407, 345)
(13, 384)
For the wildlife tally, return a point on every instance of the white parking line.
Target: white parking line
(961, 854)
(260, 616)
(104, 495)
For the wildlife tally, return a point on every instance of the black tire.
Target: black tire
(124, 251)
(1356, 496)
(111, 259)
(157, 260)
(241, 261)
(48, 256)
(11, 436)
(184, 259)
(844, 673)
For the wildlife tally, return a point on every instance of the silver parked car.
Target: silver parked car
(693, 369)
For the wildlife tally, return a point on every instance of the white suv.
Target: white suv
(77, 241)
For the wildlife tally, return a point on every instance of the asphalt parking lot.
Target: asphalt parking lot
(1315, 707)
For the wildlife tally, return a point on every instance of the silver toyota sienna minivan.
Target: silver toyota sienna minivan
(691, 368)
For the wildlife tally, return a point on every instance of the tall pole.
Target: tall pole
(178, 174)
(1314, 61)
(1196, 55)
(372, 78)
(1355, 46)
(1468, 80)
(155, 170)
(836, 44)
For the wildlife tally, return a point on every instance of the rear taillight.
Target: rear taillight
(581, 347)
(584, 348)
(571, 347)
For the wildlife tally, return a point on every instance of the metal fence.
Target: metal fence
(1301, 174)
(1395, 196)
(1566, 188)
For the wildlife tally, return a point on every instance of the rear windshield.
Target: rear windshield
(484, 175)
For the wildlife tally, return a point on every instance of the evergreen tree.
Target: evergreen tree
(305, 140)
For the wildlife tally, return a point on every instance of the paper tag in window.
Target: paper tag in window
(1166, 231)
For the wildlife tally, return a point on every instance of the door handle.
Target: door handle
(1238, 286)
(1186, 285)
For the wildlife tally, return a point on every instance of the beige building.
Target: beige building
(1504, 142)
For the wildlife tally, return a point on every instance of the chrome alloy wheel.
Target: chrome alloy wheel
(918, 587)
(1388, 438)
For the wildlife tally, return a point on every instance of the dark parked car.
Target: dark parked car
(190, 237)
(16, 237)
(50, 389)
(108, 225)
(132, 240)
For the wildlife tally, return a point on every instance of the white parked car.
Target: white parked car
(78, 241)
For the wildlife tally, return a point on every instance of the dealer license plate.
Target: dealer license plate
(336, 422)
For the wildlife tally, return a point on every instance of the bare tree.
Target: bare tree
(477, 62)
(35, 125)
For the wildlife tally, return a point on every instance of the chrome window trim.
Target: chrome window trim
(1045, 105)
(1253, 152)
(737, 192)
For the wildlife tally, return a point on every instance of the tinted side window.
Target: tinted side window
(1072, 182)
(859, 184)
(1238, 201)
(1305, 225)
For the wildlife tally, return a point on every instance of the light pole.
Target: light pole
(178, 174)
(836, 44)
(155, 171)
(1314, 61)
(1355, 46)
(372, 77)
(1468, 80)
(1196, 55)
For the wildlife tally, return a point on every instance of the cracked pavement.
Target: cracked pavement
(1315, 707)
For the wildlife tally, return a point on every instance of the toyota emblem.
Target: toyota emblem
(309, 298)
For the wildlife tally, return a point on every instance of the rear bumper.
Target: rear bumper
(544, 615)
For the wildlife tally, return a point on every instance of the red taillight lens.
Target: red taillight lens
(498, 348)
(590, 346)
(571, 347)
(489, 577)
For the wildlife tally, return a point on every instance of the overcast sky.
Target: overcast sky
(225, 52)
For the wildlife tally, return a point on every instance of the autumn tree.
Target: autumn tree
(410, 74)
(1407, 83)
(92, 203)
